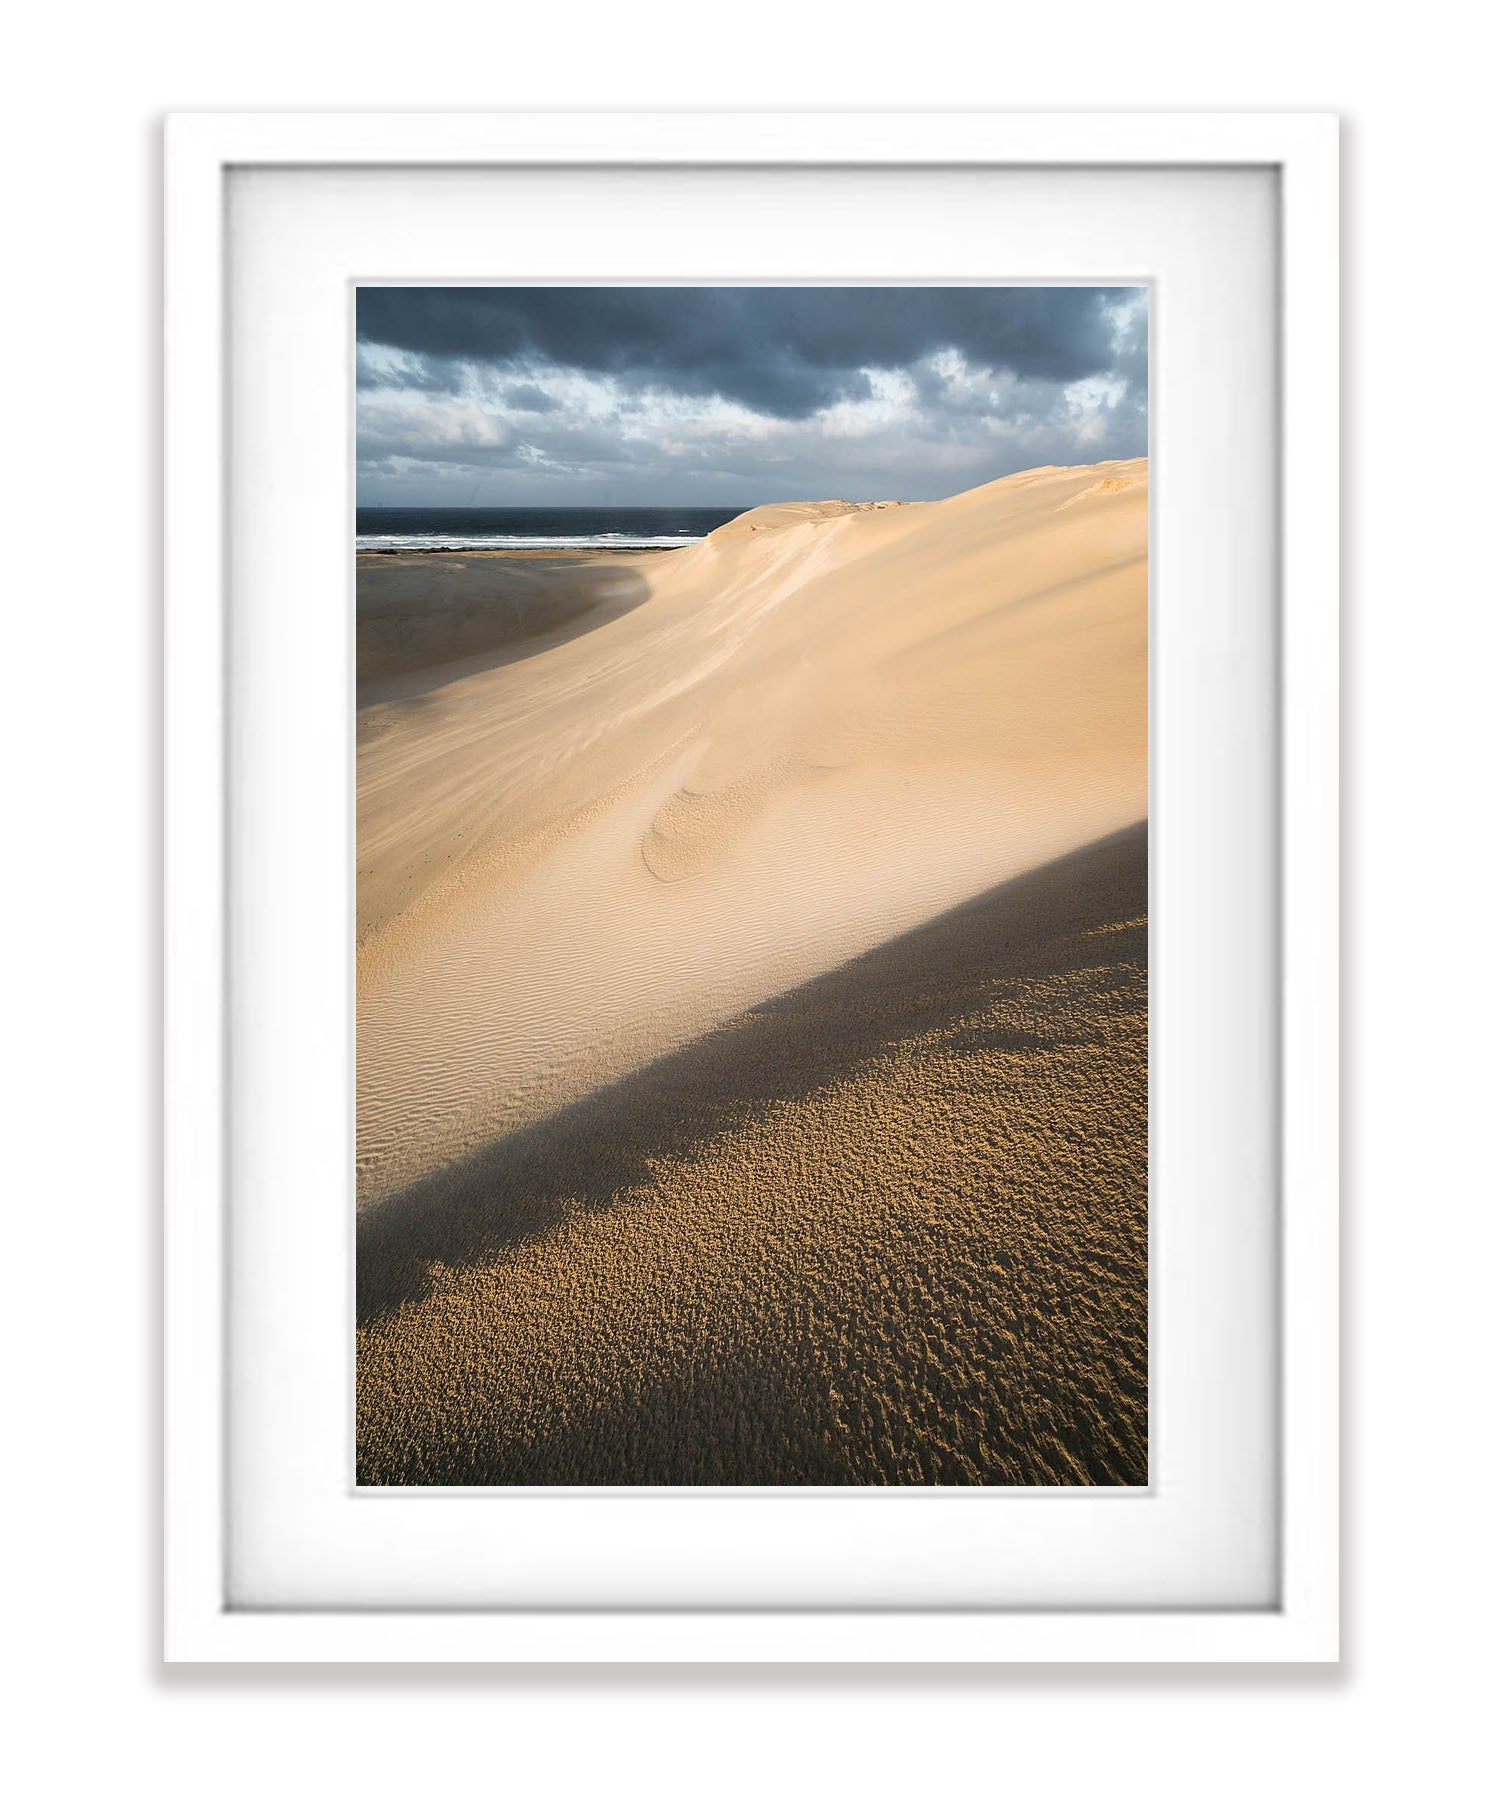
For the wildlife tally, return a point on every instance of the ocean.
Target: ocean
(535, 527)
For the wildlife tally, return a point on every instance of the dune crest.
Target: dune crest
(755, 759)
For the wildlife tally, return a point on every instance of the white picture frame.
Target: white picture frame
(202, 1621)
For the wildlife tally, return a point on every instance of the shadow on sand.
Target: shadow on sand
(420, 620)
(1083, 912)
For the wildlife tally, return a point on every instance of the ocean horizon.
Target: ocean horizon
(535, 527)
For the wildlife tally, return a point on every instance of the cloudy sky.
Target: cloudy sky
(734, 396)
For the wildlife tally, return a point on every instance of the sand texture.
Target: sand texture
(751, 1001)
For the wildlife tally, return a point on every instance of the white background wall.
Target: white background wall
(78, 381)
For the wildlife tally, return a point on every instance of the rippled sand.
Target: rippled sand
(752, 1002)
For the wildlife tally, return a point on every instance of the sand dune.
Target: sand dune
(889, 1227)
(601, 813)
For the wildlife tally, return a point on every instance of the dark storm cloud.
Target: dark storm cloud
(784, 352)
(712, 396)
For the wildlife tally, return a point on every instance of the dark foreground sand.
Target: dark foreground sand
(890, 1227)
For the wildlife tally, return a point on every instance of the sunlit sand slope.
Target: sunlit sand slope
(729, 770)
(888, 1227)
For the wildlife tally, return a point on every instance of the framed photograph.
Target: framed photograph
(752, 834)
